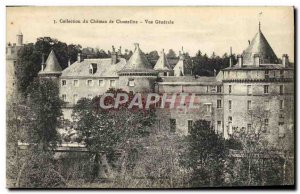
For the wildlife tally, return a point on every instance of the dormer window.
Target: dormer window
(93, 68)
(131, 83)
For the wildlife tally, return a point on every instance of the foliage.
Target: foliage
(45, 109)
(39, 172)
(205, 156)
(30, 58)
(112, 130)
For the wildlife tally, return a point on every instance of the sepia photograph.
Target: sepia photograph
(150, 97)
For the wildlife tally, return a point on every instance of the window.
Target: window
(281, 74)
(101, 83)
(281, 129)
(64, 97)
(229, 125)
(281, 89)
(266, 74)
(249, 127)
(208, 107)
(219, 103)
(229, 104)
(249, 105)
(213, 89)
(190, 125)
(219, 89)
(75, 98)
(266, 89)
(249, 90)
(63, 82)
(173, 125)
(281, 104)
(112, 83)
(267, 105)
(219, 126)
(89, 82)
(76, 83)
(93, 68)
(206, 89)
(229, 89)
(131, 83)
(266, 123)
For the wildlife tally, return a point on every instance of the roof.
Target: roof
(162, 63)
(138, 62)
(259, 45)
(52, 65)
(105, 68)
(261, 67)
(171, 80)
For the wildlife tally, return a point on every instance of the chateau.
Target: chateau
(256, 94)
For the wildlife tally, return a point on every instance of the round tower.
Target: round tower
(50, 69)
(19, 39)
(137, 75)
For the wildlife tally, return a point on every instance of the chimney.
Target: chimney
(285, 60)
(240, 60)
(43, 63)
(256, 60)
(79, 57)
(69, 63)
(215, 72)
(114, 56)
(230, 57)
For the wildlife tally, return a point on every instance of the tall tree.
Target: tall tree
(206, 152)
(45, 106)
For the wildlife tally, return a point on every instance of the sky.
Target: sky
(195, 28)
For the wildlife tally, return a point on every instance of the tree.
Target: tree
(45, 106)
(205, 156)
(30, 59)
(171, 54)
(111, 131)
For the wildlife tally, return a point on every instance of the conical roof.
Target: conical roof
(259, 45)
(138, 62)
(52, 65)
(162, 63)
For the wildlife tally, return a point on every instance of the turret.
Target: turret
(51, 69)
(19, 39)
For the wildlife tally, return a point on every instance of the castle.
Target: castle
(257, 93)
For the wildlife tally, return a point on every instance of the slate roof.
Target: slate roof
(138, 62)
(105, 68)
(52, 65)
(259, 45)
